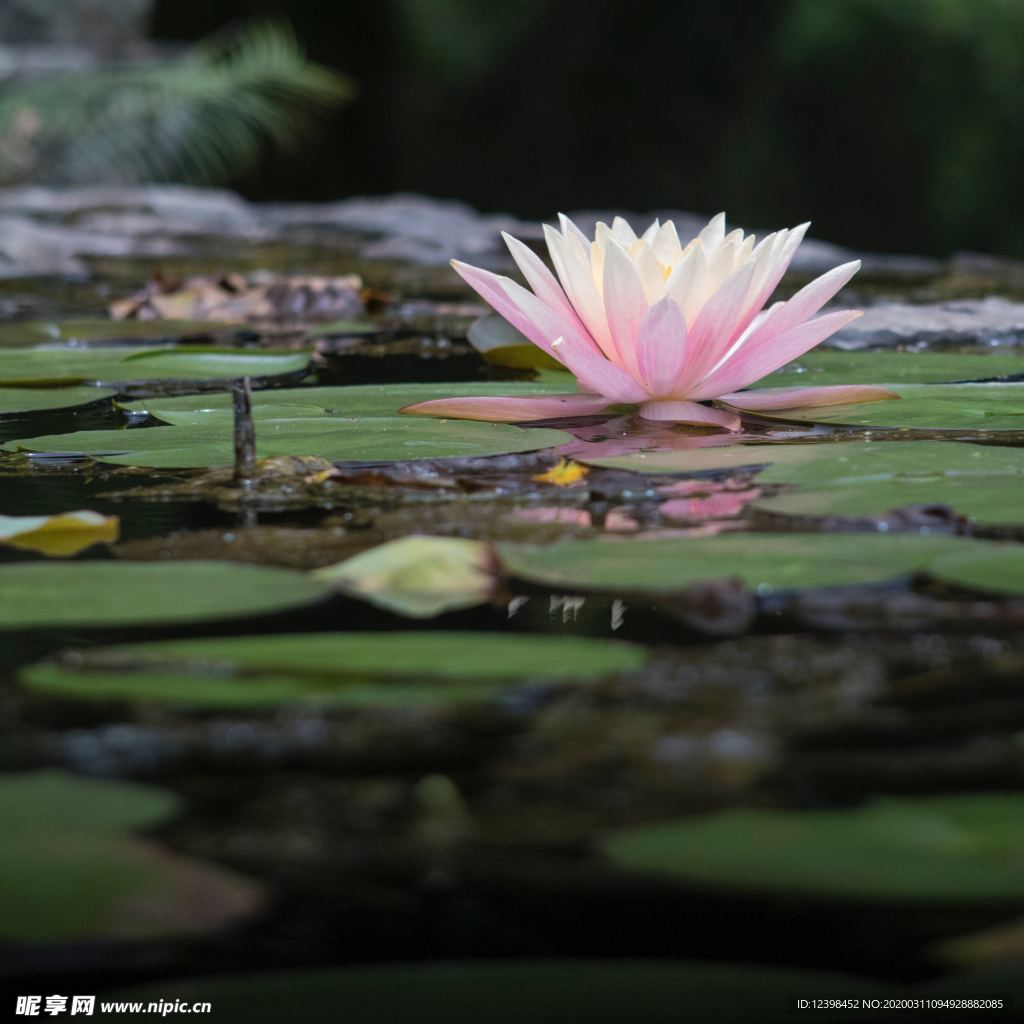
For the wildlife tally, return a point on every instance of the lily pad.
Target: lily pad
(55, 365)
(994, 569)
(36, 332)
(417, 576)
(399, 669)
(927, 407)
(837, 462)
(18, 401)
(945, 849)
(862, 478)
(36, 595)
(763, 561)
(358, 400)
(70, 869)
(821, 367)
(341, 424)
(994, 500)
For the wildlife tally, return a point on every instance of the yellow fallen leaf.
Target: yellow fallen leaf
(417, 576)
(64, 534)
(322, 477)
(564, 474)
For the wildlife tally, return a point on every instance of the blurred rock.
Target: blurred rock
(989, 321)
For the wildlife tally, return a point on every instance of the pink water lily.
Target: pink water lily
(647, 321)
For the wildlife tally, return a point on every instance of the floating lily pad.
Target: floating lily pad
(70, 869)
(341, 424)
(994, 569)
(18, 401)
(995, 500)
(829, 461)
(359, 400)
(417, 576)
(597, 992)
(117, 364)
(37, 595)
(825, 367)
(862, 478)
(945, 848)
(763, 561)
(928, 407)
(35, 332)
(339, 668)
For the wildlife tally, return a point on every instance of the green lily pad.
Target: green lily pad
(833, 462)
(398, 669)
(117, 364)
(36, 332)
(928, 407)
(597, 991)
(946, 848)
(825, 367)
(862, 478)
(341, 424)
(763, 561)
(19, 401)
(995, 500)
(995, 569)
(70, 869)
(36, 595)
(358, 400)
(343, 329)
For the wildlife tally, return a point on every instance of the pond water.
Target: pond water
(800, 749)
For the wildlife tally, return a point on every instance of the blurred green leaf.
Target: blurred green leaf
(946, 848)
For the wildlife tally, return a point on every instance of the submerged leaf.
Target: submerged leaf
(417, 576)
(64, 534)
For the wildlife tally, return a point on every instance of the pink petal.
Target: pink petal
(753, 361)
(777, 263)
(805, 398)
(541, 280)
(572, 264)
(601, 376)
(541, 323)
(490, 287)
(625, 303)
(717, 324)
(661, 349)
(777, 323)
(689, 412)
(497, 409)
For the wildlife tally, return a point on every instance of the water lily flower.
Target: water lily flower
(667, 327)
